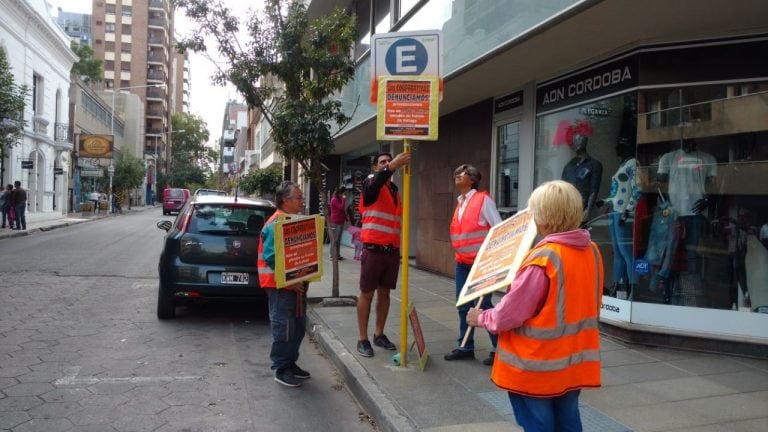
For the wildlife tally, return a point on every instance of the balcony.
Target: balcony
(62, 133)
(156, 58)
(157, 22)
(158, 4)
(155, 93)
(156, 76)
(40, 124)
(157, 40)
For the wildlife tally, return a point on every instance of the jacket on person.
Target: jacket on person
(467, 236)
(265, 262)
(5, 199)
(381, 220)
(558, 349)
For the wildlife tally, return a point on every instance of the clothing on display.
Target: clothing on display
(688, 172)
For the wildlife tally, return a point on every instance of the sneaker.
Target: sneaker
(458, 354)
(488, 361)
(382, 341)
(364, 348)
(299, 372)
(285, 377)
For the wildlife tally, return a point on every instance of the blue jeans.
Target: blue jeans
(287, 328)
(462, 271)
(623, 259)
(21, 218)
(559, 413)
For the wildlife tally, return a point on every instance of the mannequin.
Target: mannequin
(689, 171)
(621, 207)
(585, 173)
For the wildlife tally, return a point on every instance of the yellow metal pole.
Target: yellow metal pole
(404, 258)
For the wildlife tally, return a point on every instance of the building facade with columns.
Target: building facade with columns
(39, 57)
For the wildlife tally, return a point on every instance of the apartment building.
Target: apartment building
(135, 40)
(683, 84)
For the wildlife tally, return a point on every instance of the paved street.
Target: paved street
(82, 350)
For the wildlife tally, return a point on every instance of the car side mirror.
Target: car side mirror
(165, 225)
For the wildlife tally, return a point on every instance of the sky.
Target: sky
(206, 99)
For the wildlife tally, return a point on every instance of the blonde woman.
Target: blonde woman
(547, 322)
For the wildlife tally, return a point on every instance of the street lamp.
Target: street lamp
(112, 132)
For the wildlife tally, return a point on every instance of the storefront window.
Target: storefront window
(703, 215)
(673, 182)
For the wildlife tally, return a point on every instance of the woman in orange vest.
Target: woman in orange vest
(547, 322)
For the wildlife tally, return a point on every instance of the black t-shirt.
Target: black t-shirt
(584, 173)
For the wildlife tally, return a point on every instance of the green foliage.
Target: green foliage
(261, 182)
(289, 69)
(12, 101)
(129, 173)
(88, 68)
(191, 160)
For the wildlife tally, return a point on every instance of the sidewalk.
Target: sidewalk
(644, 388)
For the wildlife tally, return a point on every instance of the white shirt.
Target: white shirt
(489, 215)
(688, 174)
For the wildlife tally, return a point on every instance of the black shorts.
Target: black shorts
(378, 269)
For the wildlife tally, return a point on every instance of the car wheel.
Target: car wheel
(166, 308)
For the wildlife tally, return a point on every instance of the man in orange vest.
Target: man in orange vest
(474, 216)
(286, 305)
(381, 209)
(549, 341)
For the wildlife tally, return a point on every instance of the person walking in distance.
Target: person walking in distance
(474, 216)
(381, 209)
(19, 199)
(338, 217)
(547, 322)
(287, 305)
(5, 205)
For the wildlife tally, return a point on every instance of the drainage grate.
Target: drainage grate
(592, 420)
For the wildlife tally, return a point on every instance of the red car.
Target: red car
(174, 199)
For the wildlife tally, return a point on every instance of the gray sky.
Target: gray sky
(206, 100)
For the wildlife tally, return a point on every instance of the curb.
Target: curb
(378, 404)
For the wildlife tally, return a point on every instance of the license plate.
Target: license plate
(234, 278)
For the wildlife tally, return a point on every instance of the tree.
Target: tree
(12, 101)
(129, 173)
(87, 68)
(191, 160)
(289, 70)
(261, 181)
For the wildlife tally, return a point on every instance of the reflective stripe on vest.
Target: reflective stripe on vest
(562, 340)
(381, 220)
(468, 235)
(562, 328)
(266, 273)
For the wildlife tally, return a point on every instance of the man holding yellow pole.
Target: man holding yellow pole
(381, 208)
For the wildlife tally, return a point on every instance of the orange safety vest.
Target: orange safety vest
(381, 220)
(266, 273)
(467, 236)
(558, 349)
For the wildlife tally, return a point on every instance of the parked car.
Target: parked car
(210, 252)
(174, 199)
(200, 192)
